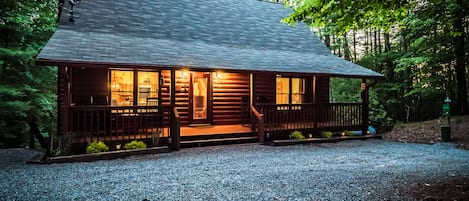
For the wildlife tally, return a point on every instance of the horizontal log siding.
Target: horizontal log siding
(264, 88)
(228, 92)
(322, 86)
(166, 94)
(87, 82)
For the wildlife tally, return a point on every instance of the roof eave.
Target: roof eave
(53, 62)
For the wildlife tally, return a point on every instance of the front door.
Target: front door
(199, 98)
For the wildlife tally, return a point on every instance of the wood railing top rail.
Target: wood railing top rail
(260, 123)
(305, 104)
(176, 113)
(255, 112)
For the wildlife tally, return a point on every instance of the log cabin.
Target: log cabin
(182, 68)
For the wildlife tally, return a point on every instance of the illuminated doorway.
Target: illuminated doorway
(199, 98)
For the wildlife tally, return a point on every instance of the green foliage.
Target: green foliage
(345, 15)
(27, 91)
(326, 134)
(345, 90)
(298, 135)
(418, 62)
(96, 147)
(348, 133)
(134, 144)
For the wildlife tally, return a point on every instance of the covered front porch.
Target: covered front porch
(159, 126)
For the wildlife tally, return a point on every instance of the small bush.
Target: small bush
(135, 145)
(96, 147)
(297, 135)
(326, 134)
(348, 133)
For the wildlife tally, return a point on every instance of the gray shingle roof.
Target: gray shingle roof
(206, 34)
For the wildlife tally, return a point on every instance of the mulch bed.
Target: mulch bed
(429, 132)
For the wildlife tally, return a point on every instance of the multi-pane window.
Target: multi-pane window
(290, 90)
(130, 88)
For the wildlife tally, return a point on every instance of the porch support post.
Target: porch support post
(174, 126)
(63, 85)
(315, 108)
(365, 104)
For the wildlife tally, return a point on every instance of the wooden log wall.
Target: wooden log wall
(264, 87)
(322, 89)
(87, 82)
(227, 96)
(231, 97)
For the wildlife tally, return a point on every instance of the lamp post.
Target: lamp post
(446, 129)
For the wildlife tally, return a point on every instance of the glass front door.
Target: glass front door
(199, 98)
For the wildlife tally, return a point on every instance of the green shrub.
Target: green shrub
(135, 145)
(326, 134)
(297, 135)
(96, 147)
(348, 133)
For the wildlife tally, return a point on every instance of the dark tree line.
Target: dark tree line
(27, 91)
(419, 46)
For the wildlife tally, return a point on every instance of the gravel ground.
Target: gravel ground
(350, 170)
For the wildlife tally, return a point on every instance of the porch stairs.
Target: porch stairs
(218, 139)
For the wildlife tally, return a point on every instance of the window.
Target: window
(130, 88)
(290, 90)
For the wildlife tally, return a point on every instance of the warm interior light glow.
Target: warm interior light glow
(218, 75)
(184, 73)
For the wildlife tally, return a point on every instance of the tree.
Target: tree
(27, 91)
(419, 70)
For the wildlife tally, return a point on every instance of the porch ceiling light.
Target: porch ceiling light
(184, 73)
(218, 75)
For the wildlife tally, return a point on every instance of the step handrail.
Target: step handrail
(259, 123)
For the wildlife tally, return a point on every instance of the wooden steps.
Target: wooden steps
(218, 139)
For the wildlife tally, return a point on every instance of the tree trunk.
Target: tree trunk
(403, 42)
(366, 42)
(327, 40)
(387, 44)
(339, 41)
(354, 46)
(379, 41)
(458, 40)
(375, 42)
(346, 49)
(371, 41)
(334, 44)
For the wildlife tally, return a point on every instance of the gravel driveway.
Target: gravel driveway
(349, 170)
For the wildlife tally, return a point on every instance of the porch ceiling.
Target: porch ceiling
(241, 35)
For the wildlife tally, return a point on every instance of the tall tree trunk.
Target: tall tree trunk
(379, 41)
(458, 27)
(339, 41)
(346, 49)
(354, 46)
(403, 41)
(333, 44)
(327, 36)
(387, 43)
(370, 37)
(366, 42)
(375, 42)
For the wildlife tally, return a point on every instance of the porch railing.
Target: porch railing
(175, 129)
(115, 123)
(257, 123)
(310, 118)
